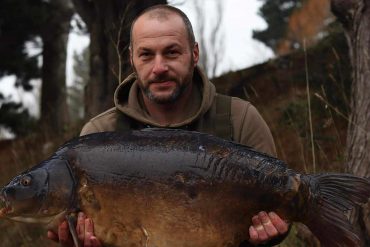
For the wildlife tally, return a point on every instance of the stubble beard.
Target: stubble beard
(179, 89)
(176, 93)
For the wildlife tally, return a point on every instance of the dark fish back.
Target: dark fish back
(163, 153)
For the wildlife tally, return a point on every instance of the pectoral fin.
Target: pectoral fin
(72, 220)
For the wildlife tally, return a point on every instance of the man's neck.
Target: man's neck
(167, 114)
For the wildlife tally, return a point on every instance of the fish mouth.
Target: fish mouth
(5, 207)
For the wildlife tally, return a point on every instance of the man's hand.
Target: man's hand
(266, 227)
(84, 229)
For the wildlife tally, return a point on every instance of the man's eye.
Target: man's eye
(144, 55)
(173, 53)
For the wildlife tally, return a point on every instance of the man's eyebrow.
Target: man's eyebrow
(171, 46)
(143, 49)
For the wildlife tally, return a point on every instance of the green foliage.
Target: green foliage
(276, 13)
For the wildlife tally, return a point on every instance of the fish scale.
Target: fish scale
(162, 188)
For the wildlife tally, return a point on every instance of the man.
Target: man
(169, 90)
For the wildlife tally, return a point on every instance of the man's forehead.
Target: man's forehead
(153, 27)
(160, 14)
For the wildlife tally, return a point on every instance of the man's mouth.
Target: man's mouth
(163, 83)
(162, 80)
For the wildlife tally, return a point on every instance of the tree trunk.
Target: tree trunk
(109, 25)
(355, 17)
(54, 113)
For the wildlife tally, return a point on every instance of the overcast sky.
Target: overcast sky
(240, 18)
(240, 49)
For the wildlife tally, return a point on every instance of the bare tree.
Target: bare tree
(210, 38)
(108, 23)
(355, 17)
(54, 35)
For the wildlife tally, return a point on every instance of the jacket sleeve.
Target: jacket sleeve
(272, 242)
(249, 128)
(105, 121)
(89, 128)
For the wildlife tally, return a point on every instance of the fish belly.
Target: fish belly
(160, 215)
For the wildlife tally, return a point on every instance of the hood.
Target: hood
(128, 99)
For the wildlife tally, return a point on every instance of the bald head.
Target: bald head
(163, 13)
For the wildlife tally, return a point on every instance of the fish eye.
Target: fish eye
(26, 180)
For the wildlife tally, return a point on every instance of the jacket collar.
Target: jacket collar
(128, 99)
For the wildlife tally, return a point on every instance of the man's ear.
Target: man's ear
(195, 53)
(131, 55)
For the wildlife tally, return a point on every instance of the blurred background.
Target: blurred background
(61, 61)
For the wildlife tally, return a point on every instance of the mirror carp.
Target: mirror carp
(162, 188)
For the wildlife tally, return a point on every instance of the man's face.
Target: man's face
(162, 57)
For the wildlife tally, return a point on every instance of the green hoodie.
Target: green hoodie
(248, 127)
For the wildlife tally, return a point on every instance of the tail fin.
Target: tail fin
(331, 197)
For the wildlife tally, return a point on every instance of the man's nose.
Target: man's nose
(160, 65)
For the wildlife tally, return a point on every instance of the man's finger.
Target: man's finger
(268, 225)
(89, 226)
(88, 242)
(89, 231)
(253, 235)
(95, 242)
(90, 239)
(280, 225)
(53, 236)
(257, 224)
(63, 233)
(80, 228)
(92, 242)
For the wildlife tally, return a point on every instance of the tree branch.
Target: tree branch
(345, 11)
(85, 9)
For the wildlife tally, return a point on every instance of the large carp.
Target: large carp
(166, 188)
